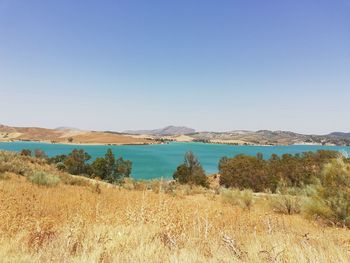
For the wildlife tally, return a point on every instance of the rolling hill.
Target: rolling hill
(67, 135)
(169, 130)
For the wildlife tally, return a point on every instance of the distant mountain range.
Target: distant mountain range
(67, 129)
(340, 134)
(239, 137)
(169, 130)
(261, 137)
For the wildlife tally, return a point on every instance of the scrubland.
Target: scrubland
(75, 219)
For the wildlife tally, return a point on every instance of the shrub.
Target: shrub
(14, 163)
(307, 190)
(332, 198)
(26, 152)
(60, 166)
(317, 207)
(236, 197)
(45, 179)
(191, 172)
(286, 204)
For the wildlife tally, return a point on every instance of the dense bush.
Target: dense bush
(258, 174)
(332, 198)
(316, 207)
(191, 172)
(14, 163)
(243, 172)
(26, 152)
(43, 178)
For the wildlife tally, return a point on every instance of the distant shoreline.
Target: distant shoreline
(167, 142)
(83, 144)
(169, 134)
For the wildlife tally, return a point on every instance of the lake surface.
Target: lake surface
(161, 160)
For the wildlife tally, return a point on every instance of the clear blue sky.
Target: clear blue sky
(210, 65)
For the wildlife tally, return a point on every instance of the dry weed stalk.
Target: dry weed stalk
(73, 223)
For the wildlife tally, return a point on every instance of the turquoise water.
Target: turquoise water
(155, 161)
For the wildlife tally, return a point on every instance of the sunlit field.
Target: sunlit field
(83, 220)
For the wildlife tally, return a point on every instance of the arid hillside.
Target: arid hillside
(67, 136)
(64, 218)
(266, 137)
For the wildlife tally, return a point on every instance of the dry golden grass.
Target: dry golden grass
(82, 220)
(89, 223)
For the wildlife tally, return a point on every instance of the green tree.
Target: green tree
(274, 172)
(244, 172)
(123, 167)
(76, 164)
(110, 169)
(182, 174)
(191, 172)
(58, 158)
(99, 168)
(110, 162)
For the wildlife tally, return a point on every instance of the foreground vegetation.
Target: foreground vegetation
(49, 215)
(106, 168)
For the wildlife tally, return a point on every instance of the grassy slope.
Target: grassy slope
(85, 223)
